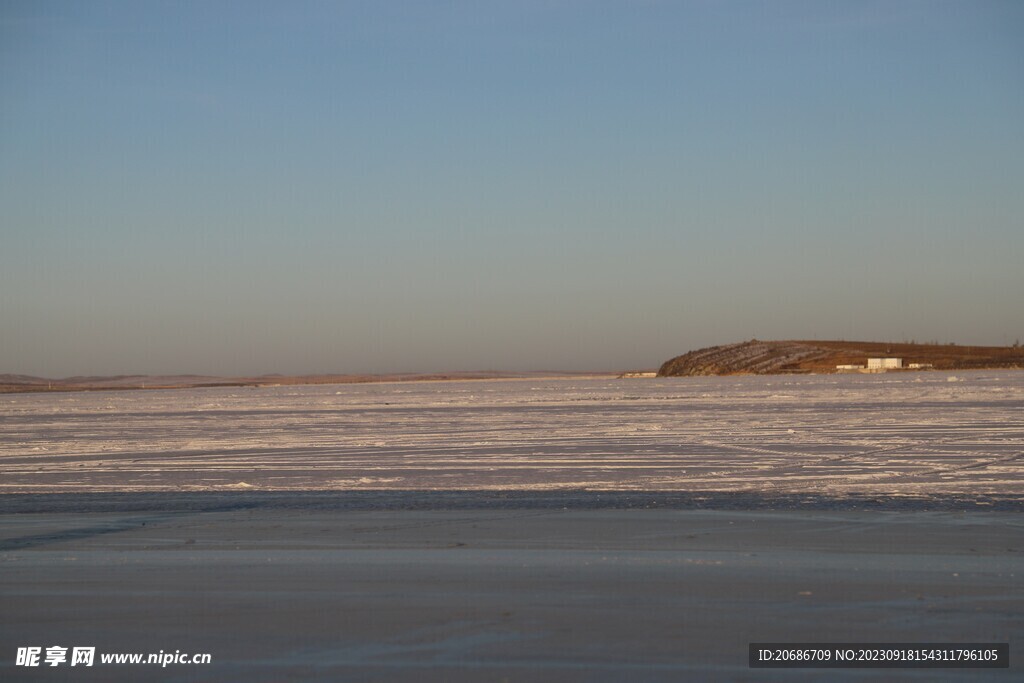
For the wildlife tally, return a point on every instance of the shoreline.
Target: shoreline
(297, 381)
(300, 381)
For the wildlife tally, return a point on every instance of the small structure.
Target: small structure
(920, 366)
(849, 367)
(883, 364)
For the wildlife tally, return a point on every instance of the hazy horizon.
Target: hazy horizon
(241, 189)
(460, 372)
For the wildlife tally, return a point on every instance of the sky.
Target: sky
(238, 188)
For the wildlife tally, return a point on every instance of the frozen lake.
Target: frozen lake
(897, 434)
(471, 531)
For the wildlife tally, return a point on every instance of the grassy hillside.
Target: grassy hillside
(768, 357)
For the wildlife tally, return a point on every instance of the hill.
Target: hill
(773, 357)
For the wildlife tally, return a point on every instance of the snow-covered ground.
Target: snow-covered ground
(923, 433)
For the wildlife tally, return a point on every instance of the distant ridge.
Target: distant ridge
(778, 357)
(11, 383)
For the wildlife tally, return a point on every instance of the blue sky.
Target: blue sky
(246, 187)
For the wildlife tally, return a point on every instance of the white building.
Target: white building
(884, 363)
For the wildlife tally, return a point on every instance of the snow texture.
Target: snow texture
(911, 434)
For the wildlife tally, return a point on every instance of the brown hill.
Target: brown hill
(771, 357)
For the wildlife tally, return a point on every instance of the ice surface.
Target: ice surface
(892, 434)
